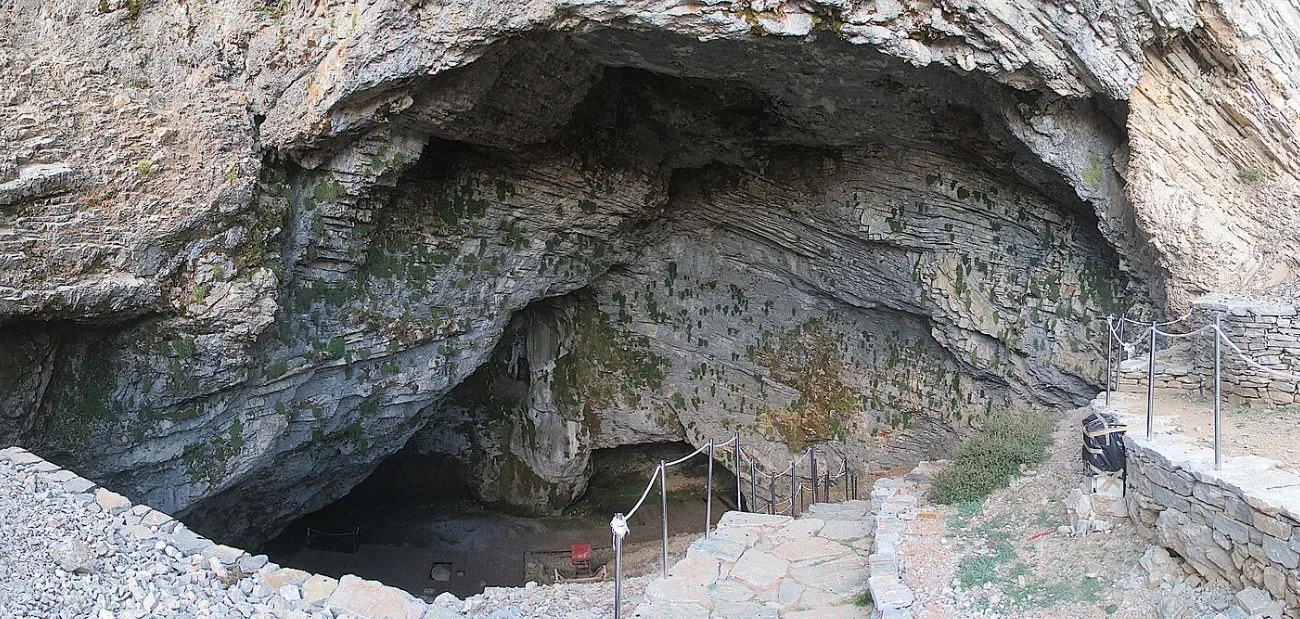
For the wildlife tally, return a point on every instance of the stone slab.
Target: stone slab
(718, 548)
(747, 519)
(317, 589)
(810, 549)
(845, 575)
(671, 611)
(846, 529)
(759, 569)
(372, 600)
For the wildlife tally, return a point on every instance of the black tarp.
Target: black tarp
(1103, 444)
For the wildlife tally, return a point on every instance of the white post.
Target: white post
(1110, 345)
(663, 504)
(618, 526)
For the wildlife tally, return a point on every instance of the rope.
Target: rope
(1254, 364)
(1157, 324)
(1122, 342)
(354, 531)
(1178, 335)
(692, 455)
(643, 494)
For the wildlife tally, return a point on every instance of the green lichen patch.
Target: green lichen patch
(604, 363)
(809, 359)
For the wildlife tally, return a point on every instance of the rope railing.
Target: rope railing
(1220, 337)
(1157, 323)
(740, 457)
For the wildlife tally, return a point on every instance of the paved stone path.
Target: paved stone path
(758, 566)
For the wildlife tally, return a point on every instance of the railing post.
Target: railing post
(1110, 346)
(708, 494)
(1151, 381)
(771, 499)
(753, 488)
(663, 504)
(812, 454)
(740, 495)
(826, 485)
(619, 528)
(1218, 397)
(1123, 318)
(847, 477)
(793, 488)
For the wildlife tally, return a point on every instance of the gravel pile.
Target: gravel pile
(573, 601)
(64, 554)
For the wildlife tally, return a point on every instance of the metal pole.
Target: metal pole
(753, 488)
(618, 571)
(1151, 381)
(771, 499)
(812, 453)
(847, 477)
(1218, 457)
(793, 487)
(826, 486)
(1123, 318)
(708, 494)
(740, 496)
(1110, 346)
(663, 504)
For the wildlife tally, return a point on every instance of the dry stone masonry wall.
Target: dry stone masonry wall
(1266, 331)
(1239, 525)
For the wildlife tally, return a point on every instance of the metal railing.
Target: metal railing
(1116, 335)
(619, 527)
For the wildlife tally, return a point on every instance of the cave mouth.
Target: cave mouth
(803, 242)
(414, 523)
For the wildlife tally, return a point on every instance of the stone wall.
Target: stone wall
(1268, 332)
(889, 593)
(1239, 525)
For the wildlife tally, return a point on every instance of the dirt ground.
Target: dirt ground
(1271, 432)
(1006, 557)
(405, 539)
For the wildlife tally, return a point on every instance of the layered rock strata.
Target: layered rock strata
(248, 250)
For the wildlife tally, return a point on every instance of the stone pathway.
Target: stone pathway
(757, 566)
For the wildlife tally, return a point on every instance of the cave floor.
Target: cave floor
(433, 545)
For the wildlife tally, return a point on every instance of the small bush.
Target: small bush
(863, 600)
(1250, 175)
(989, 460)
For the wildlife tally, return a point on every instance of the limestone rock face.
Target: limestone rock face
(250, 249)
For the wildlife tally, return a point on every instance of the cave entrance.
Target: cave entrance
(413, 524)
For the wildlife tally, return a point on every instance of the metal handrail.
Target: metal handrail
(1220, 337)
(619, 524)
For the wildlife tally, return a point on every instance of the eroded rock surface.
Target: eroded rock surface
(248, 250)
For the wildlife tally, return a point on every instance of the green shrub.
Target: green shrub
(1250, 175)
(989, 460)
